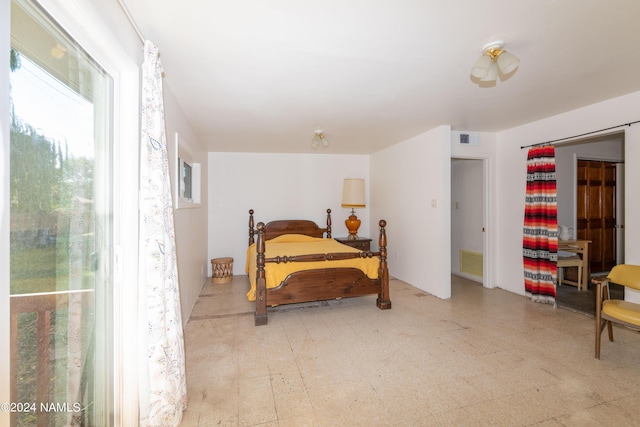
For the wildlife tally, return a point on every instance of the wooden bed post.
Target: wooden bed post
(261, 281)
(328, 223)
(251, 241)
(383, 302)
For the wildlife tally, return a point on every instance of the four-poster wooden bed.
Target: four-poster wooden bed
(311, 267)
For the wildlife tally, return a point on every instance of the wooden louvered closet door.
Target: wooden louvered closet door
(596, 213)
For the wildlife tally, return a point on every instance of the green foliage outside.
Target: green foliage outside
(49, 190)
(51, 193)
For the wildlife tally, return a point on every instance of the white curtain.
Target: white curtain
(163, 388)
(78, 249)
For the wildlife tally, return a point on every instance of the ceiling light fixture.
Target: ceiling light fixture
(494, 59)
(319, 140)
(58, 51)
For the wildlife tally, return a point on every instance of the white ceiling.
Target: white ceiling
(261, 76)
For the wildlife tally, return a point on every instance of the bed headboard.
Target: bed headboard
(290, 226)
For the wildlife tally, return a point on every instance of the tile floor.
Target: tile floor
(483, 357)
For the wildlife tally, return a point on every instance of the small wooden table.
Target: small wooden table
(361, 243)
(580, 247)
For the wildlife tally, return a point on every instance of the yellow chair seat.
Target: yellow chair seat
(609, 311)
(626, 311)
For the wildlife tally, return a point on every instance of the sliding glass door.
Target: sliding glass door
(60, 226)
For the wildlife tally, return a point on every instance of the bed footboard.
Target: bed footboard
(321, 284)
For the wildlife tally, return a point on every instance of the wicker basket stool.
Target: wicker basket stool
(221, 270)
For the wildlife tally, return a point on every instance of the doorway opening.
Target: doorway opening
(590, 182)
(469, 219)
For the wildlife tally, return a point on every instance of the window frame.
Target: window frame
(184, 158)
(120, 54)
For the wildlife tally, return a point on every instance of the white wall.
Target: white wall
(631, 197)
(190, 223)
(511, 177)
(277, 186)
(406, 179)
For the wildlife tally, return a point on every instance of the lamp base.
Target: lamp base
(352, 223)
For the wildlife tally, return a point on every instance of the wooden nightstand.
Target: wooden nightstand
(361, 243)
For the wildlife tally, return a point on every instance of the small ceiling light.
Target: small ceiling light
(58, 51)
(494, 58)
(319, 139)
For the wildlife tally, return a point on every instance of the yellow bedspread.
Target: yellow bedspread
(298, 244)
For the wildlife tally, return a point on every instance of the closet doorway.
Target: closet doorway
(469, 217)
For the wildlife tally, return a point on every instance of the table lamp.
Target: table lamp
(353, 197)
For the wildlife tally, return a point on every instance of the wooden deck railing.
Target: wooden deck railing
(43, 304)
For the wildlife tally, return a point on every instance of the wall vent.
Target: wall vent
(471, 263)
(469, 139)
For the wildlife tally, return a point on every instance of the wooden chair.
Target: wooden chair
(571, 261)
(609, 311)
